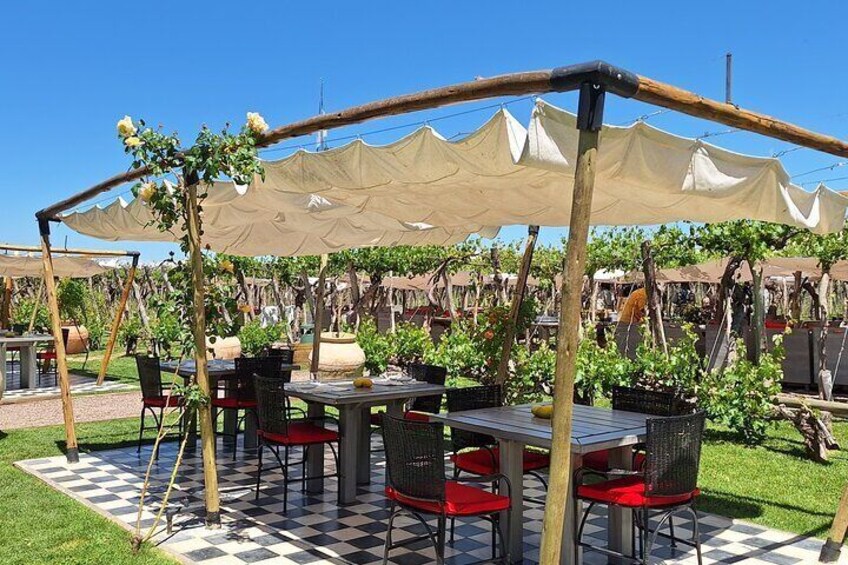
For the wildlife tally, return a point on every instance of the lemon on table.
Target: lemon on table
(363, 382)
(544, 411)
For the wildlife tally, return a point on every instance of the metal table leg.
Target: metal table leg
(315, 454)
(512, 466)
(350, 420)
(620, 519)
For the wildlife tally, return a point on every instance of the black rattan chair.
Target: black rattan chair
(286, 357)
(240, 393)
(416, 485)
(667, 486)
(277, 429)
(153, 396)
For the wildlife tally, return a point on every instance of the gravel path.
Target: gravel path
(90, 408)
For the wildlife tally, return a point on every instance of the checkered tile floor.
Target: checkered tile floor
(48, 387)
(316, 530)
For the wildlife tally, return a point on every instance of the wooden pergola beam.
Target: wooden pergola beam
(562, 79)
(69, 251)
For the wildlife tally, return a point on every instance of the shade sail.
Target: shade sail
(712, 271)
(16, 266)
(424, 189)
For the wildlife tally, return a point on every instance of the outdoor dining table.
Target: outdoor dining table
(218, 370)
(593, 429)
(354, 406)
(28, 357)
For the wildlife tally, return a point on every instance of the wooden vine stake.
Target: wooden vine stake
(72, 450)
(654, 297)
(517, 299)
(569, 329)
(116, 323)
(207, 429)
(318, 314)
(6, 315)
(36, 304)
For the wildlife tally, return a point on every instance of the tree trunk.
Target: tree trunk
(654, 297)
(825, 380)
(758, 323)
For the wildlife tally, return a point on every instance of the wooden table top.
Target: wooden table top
(347, 394)
(593, 428)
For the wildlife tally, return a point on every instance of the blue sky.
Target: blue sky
(71, 70)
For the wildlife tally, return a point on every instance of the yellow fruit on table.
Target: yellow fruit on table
(363, 382)
(544, 411)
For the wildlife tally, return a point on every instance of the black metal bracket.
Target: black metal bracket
(44, 226)
(590, 107)
(609, 77)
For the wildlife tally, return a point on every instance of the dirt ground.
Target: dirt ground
(90, 408)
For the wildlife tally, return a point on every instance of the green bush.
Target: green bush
(460, 353)
(23, 312)
(375, 345)
(678, 371)
(255, 339)
(408, 343)
(533, 375)
(741, 396)
(72, 295)
(600, 368)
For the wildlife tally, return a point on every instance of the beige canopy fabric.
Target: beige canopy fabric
(16, 266)
(460, 279)
(712, 271)
(424, 189)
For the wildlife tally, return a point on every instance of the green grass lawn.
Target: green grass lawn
(121, 368)
(39, 525)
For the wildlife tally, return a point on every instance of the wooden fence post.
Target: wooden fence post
(207, 429)
(517, 299)
(116, 323)
(589, 119)
(72, 450)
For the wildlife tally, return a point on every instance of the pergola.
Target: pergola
(424, 189)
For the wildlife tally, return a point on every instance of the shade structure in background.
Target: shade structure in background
(774, 267)
(425, 190)
(16, 266)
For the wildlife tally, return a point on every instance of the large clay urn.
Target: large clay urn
(77, 339)
(339, 357)
(224, 348)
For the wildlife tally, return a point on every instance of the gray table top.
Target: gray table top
(215, 367)
(593, 428)
(26, 339)
(349, 395)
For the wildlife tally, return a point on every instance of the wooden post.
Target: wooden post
(207, 429)
(72, 450)
(35, 304)
(589, 121)
(824, 377)
(833, 545)
(318, 315)
(654, 297)
(6, 314)
(517, 299)
(116, 323)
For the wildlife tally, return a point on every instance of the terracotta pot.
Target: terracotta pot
(77, 338)
(224, 348)
(302, 353)
(340, 357)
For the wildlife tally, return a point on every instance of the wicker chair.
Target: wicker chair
(240, 393)
(153, 396)
(277, 429)
(423, 405)
(286, 357)
(667, 486)
(416, 485)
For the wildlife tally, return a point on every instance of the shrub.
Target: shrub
(255, 339)
(408, 343)
(23, 313)
(600, 368)
(375, 345)
(533, 375)
(741, 396)
(72, 297)
(677, 371)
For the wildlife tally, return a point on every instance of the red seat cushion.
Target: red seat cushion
(599, 461)
(46, 355)
(377, 417)
(163, 401)
(301, 433)
(630, 492)
(486, 462)
(233, 403)
(460, 500)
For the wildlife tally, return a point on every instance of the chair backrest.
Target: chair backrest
(20, 328)
(415, 458)
(285, 355)
(645, 401)
(430, 374)
(271, 405)
(246, 370)
(673, 454)
(472, 398)
(149, 376)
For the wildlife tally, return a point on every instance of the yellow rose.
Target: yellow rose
(126, 127)
(245, 308)
(147, 191)
(227, 265)
(256, 123)
(133, 141)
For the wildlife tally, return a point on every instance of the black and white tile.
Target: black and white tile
(47, 387)
(316, 530)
